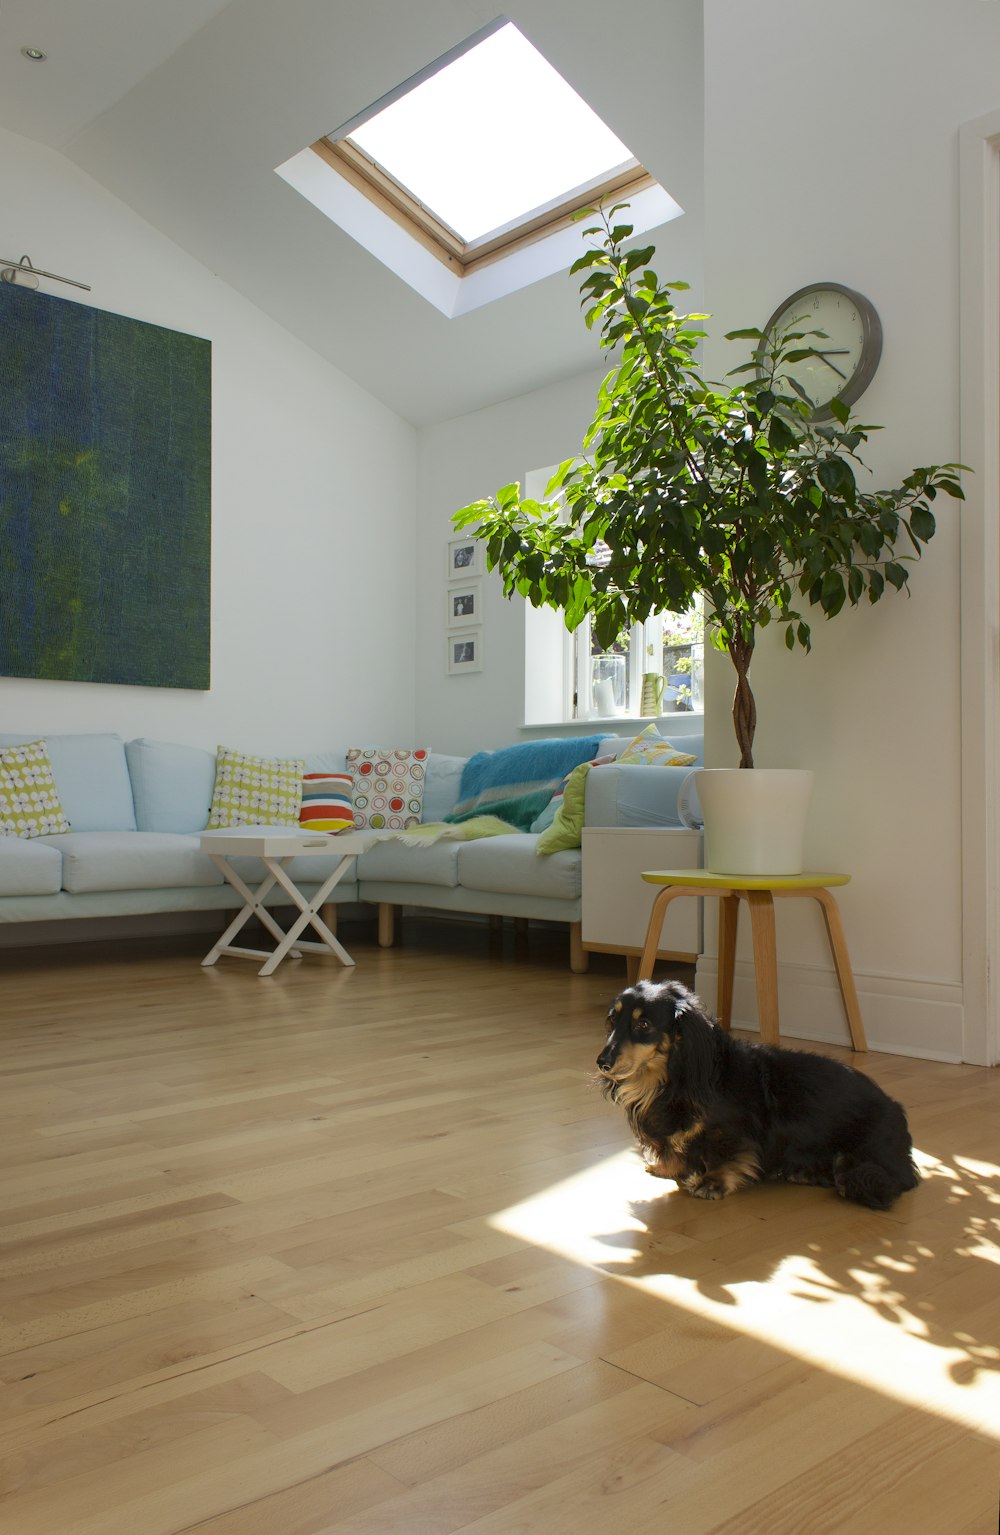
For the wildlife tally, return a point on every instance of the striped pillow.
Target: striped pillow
(326, 802)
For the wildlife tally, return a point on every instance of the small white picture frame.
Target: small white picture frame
(465, 559)
(465, 605)
(465, 651)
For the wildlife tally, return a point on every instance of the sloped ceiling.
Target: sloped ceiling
(185, 110)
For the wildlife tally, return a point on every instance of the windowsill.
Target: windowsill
(681, 717)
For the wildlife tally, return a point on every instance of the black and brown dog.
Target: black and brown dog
(717, 1113)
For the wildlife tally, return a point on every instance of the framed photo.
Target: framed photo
(464, 603)
(465, 650)
(465, 558)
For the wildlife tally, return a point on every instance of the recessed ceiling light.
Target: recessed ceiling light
(35, 54)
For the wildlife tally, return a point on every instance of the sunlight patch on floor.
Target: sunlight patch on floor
(856, 1300)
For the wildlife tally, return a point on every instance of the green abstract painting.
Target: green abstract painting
(105, 496)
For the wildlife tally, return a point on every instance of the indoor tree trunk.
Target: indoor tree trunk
(744, 707)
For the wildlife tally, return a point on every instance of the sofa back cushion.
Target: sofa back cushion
(91, 776)
(441, 786)
(172, 785)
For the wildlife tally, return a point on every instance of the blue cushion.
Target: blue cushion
(172, 785)
(91, 776)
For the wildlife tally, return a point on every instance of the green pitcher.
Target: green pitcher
(652, 693)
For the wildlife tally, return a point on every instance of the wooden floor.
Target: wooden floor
(364, 1251)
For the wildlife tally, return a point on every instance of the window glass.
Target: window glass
(491, 137)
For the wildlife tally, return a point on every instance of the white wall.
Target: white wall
(835, 155)
(312, 506)
(461, 461)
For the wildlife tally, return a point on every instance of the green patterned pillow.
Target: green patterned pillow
(29, 799)
(256, 791)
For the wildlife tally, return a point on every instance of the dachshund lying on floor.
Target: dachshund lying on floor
(717, 1114)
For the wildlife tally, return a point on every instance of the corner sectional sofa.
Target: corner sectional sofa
(137, 810)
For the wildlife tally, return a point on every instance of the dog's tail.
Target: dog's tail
(871, 1184)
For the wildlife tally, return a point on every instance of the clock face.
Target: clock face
(849, 352)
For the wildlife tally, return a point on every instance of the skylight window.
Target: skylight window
(465, 180)
(493, 137)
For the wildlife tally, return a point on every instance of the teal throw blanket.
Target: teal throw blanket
(517, 782)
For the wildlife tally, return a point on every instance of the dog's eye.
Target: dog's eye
(642, 1026)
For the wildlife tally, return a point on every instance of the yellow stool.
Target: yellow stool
(758, 890)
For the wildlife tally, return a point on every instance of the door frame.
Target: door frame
(979, 414)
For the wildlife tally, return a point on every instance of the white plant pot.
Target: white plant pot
(755, 819)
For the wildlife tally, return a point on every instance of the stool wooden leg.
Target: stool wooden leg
(647, 962)
(729, 916)
(765, 962)
(842, 961)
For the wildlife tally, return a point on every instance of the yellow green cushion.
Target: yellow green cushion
(566, 830)
(256, 791)
(29, 799)
(651, 748)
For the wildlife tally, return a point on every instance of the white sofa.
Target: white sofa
(137, 810)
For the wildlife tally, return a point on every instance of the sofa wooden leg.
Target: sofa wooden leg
(386, 925)
(328, 914)
(579, 959)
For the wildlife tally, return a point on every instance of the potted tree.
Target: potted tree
(733, 491)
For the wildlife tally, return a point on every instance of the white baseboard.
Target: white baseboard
(901, 1016)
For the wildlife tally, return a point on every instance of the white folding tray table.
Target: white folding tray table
(276, 851)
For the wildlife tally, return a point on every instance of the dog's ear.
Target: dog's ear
(694, 1054)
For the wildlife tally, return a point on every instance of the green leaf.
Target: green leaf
(922, 522)
(835, 476)
(780, 437)
(896, 574)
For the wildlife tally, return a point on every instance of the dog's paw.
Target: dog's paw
(660, 1170)
(703, 1188)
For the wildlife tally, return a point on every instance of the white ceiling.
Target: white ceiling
(185, 109)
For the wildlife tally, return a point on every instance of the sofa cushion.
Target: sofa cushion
(441, 786)
(654, 750)
(250, 789)
(137, 860)
(327, 803)
(29, 799)
(388, 786)
(392, 858)
(508, 865)
(29, 868)
(92, 777)
(171, 785)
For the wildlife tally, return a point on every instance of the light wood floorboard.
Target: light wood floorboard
(364, 1252)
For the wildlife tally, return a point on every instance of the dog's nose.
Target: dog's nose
(606, 1058)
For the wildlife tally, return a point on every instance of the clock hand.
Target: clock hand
(835, 352)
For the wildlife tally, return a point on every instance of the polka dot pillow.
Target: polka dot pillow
(388, 792)
(29, 799)
(256, 791)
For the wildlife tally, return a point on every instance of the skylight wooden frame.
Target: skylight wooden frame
(395, 200)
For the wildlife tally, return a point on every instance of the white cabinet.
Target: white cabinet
(616, 899)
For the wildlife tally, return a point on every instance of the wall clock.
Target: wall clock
(850, 354)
